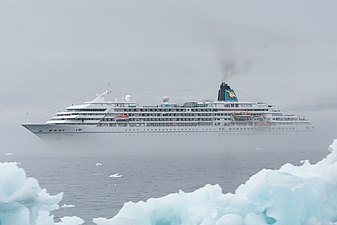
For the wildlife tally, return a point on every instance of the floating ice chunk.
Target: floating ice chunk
(116, 175)
(296, 195)
(45, 219)
(9, 154)
(68, 206)
(99, 164)
(23, 202)
(22, 196)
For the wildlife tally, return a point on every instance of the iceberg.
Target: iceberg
(291, 195)
(24, 202)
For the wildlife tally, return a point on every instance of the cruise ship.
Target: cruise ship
(231, 121)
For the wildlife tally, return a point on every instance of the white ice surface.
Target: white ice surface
(23, 202)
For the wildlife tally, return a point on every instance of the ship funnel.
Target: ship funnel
(226, 93)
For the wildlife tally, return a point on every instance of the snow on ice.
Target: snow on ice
(23, 202)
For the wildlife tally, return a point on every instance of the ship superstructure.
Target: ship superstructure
(225, 115)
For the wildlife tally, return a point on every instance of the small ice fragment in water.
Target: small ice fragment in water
(67, 206)
(9, 154)
(99, 164)
(116, 175)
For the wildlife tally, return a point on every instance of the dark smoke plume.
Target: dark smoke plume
(233, 66)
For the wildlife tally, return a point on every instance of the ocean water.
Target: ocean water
(99, 185)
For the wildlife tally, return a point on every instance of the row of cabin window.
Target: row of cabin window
(181, 110)
(170, 119)
(82, 114)
(174, 114)
(75, 119)
(86, 110)
(177, 114)
(285, 119)
(178, 119)
(270, 128)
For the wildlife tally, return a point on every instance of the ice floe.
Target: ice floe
(24, 202)
(116, 175)
(68, 206)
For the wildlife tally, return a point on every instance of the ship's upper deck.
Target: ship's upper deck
(226, 110)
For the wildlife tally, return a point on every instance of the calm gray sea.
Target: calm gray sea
(87, 184)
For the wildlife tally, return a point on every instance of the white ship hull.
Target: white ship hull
(174, 140)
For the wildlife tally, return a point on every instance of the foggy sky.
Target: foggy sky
(54, 52)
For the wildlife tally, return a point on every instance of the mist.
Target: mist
(55, 52)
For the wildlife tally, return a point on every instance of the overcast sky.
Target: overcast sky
(54, 52)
